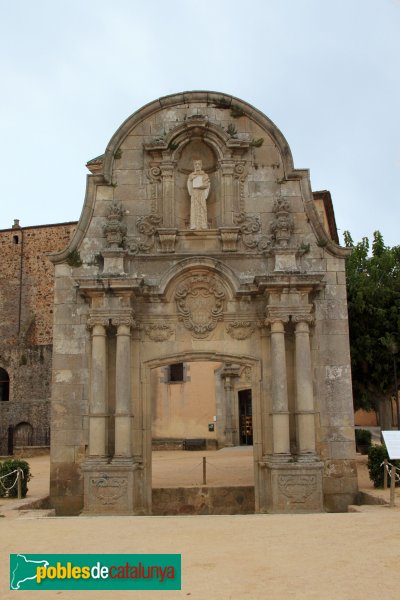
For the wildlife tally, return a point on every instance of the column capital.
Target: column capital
(125, 320)
(306, 319)
(275, 321)
(93, 321)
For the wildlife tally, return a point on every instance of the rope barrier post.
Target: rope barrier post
(392, 485)
(19, 483)
(204, 471)
(385, 462)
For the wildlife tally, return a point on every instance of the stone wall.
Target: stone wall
(204, 500)
(26, 328)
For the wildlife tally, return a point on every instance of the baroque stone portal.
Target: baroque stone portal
(242, 289)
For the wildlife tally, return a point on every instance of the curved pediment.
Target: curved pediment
(147, 173)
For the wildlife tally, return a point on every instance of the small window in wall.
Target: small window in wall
(176, 373)
(4, 386)
(15, 239)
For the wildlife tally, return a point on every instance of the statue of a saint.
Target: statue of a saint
(198, 184)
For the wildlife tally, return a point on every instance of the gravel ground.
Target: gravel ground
(248, 557)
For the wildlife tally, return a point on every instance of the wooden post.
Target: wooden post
(385, 473)
(392, 485)
(204, 471)
(19, 483)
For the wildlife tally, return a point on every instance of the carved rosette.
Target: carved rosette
(200, 304)
(298, 488)
(108, 490)
(159, 332)
(114, 230)
(240, 330)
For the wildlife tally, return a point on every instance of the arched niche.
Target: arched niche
(196, 149)
(170, 161)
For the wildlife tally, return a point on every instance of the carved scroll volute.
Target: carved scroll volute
(200, 304)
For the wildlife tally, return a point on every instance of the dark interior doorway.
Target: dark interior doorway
(245, 418)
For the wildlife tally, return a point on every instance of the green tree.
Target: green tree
(373, 291)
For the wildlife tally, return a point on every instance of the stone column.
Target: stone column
(98, 391)
(228, 374)
(280, 409)
(123, 411)
(304, 390)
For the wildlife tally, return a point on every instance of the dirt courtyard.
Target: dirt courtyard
(246, 557)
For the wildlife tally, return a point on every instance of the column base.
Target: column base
(292, 487)
(109, 487)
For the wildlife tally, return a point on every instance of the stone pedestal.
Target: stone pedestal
(114, 261)
(109, 489)
(293, 487)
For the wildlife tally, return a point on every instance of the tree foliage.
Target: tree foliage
(373, 291)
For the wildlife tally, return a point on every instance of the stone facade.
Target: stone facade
(259, 288)
(26, 331)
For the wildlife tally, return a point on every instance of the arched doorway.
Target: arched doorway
(23, 435)
(232, 480)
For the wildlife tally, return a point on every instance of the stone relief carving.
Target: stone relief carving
(154, 176)
(100, 320)
(147, 226)
(250, 228)
(297, 487)
(245, 374)
(159, 332)
(283, 225)
(240, 175)
(108, 490)
(240, 330)
(126, 320)
(114, 230)
(200, 304)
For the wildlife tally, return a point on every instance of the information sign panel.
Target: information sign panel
(392, 441)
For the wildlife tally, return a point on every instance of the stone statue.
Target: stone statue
(198, 184)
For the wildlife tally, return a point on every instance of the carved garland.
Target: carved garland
(297, 488)
(240, 330)
(109, 490)
(159, 333)
(200, 304)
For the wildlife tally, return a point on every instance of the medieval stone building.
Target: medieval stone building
(26, 332)
(200, 242)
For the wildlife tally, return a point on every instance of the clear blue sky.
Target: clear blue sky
(326, 72)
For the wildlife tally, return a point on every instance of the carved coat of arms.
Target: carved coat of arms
(200, 304)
